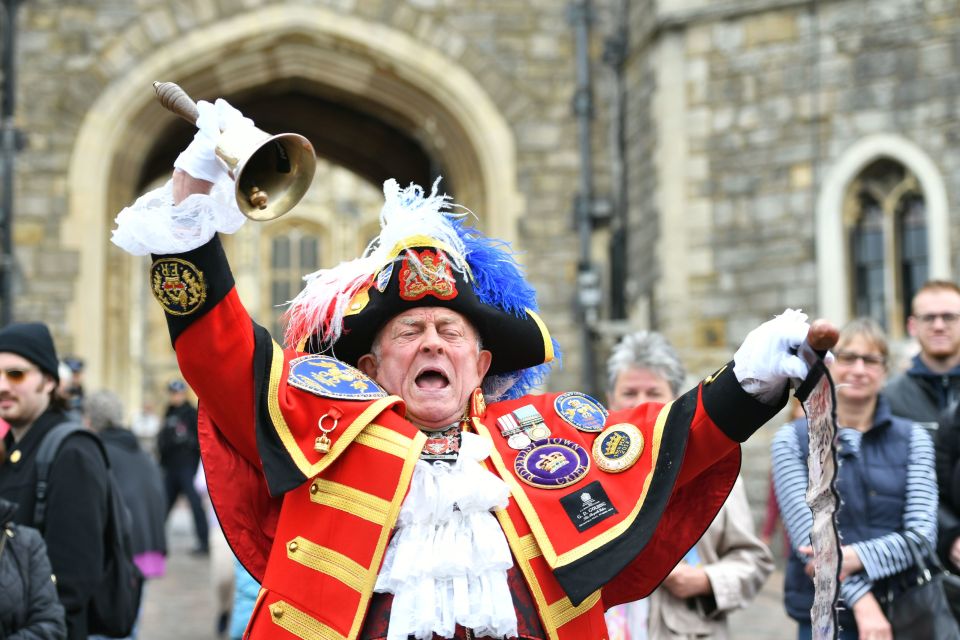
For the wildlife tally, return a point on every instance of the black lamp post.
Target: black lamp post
(9, 145)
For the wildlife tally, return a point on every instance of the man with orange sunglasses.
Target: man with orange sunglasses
(76, 499)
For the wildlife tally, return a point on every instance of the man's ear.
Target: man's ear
(484, 358)
(368, 364)
(912, 326)
(49, 384)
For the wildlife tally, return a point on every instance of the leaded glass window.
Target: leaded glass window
(886, 224)
(294, 252)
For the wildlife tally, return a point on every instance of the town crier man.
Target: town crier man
(386, 473)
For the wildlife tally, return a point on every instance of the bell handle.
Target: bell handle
(175, 99)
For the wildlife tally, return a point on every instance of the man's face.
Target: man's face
(636, 386)
(935, 323)
(428, 356)
(177, 398)
(24, 390)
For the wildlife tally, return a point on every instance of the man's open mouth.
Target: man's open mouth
(432, 379)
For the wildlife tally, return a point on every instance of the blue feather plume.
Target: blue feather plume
(499, 281)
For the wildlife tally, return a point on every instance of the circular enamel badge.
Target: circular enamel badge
(178, 286)
(581, 411)
(618, 448)
(552, 463)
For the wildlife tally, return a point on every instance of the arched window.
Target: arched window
(294, 252)
(886, 226)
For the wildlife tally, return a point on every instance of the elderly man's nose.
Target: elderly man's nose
(431, 340)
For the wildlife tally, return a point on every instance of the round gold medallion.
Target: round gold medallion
(618, 447)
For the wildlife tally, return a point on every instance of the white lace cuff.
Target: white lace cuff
(153, 224)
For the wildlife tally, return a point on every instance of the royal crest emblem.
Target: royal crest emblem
(178, 286)
(444, 445)
(552, 463)
(426, 273)
(329, 378)
(581, 411)
(618, 448)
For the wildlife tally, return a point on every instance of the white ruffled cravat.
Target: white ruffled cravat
(447, 562)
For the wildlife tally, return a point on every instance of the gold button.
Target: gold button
(314, 487)
(277, 610)
(292, 546)
(15, 456)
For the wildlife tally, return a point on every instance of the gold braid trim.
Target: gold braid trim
(359, 503)
(563, 611)
(383, 439)
(298, 623)
(327, 561)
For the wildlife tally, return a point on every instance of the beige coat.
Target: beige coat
(737, 564)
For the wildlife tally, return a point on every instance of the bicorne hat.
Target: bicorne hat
(426, 256)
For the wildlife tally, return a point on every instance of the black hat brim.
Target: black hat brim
(515, 342)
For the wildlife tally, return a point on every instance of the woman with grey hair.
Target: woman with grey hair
(727, 567)
(643, 367)
(138, 478)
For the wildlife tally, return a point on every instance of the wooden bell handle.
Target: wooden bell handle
(175, 99)
(823, 335)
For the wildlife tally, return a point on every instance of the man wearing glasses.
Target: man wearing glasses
(932, 384)
(77, 493)
(929, 393)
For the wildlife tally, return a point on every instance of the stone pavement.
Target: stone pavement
(180, 606)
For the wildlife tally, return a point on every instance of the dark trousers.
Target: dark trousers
(179, 480)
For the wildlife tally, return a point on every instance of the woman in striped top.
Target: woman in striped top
(887, 486)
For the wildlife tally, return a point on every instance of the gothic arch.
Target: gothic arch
(834, 293)
(378, 62)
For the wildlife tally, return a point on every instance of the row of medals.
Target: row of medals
(522, 427)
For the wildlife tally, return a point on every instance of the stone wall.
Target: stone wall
(770, 94)
(736, 115)
(521, 53)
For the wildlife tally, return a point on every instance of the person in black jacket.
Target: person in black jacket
(77, 492)
(947, 442)
(139, 480)
(29, 607)
(179, 449)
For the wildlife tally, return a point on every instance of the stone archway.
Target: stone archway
(311, 46)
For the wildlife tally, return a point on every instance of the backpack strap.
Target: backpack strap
(46, 454)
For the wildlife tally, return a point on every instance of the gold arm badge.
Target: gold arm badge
(178, 286)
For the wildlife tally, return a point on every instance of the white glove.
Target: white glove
(200, 159)
(768, 357)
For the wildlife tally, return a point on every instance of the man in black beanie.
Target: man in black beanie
(77, 485)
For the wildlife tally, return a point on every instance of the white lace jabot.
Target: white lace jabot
(447, 562)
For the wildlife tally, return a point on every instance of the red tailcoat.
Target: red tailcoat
(313, 527)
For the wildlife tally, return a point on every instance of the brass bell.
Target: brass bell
(272, 172)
